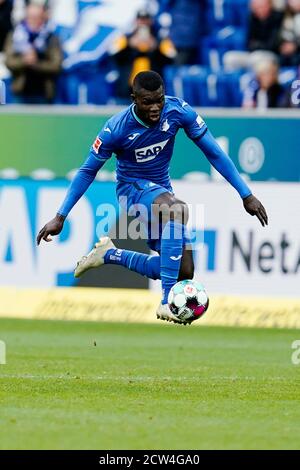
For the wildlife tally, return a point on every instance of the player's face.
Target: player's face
(149, 104)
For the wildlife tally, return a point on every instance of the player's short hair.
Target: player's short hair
(149, 80)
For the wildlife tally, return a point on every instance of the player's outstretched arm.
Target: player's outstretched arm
(225, 166)
(84, 177)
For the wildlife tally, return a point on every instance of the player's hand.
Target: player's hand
(254, 207)
(54, 227)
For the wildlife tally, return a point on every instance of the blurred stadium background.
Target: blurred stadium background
(251, 274)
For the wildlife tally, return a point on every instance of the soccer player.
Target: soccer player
(142, 137)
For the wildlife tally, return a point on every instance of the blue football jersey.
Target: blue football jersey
(145, 151)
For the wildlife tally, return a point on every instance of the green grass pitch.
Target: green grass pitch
(75, 385)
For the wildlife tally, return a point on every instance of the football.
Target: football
(188, 300)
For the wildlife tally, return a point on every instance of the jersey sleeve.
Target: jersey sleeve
(222, 163)
(103, 146)
(192, 123)
(100, 151)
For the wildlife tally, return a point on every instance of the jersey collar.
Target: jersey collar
(137, 118)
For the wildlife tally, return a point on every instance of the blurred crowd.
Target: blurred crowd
(234, 52)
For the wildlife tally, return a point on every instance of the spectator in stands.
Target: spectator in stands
(186, 27)
(5, 20)
(265, 91)
(289, 47)
(19, 8)
(34, 57)
(264, 25)
(139, 51)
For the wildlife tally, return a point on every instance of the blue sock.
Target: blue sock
(145, 265)
(171, 254)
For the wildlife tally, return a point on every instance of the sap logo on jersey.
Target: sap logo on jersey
(149, 153)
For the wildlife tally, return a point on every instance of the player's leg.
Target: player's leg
(104, 252)
(176, 255)
(141, 263)
(186, 270)
(150, 266)
(139, 198)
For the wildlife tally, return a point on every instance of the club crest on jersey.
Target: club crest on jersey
(165, 126)
(149, 153)
(97, 144)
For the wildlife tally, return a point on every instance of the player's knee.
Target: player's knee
(177, 212)
(181, 213)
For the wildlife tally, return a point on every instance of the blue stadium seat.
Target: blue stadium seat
(198, 85)
(6, 95)
(236, 83)
(222, 13)
(213, 47)
(212, 90)
(183, 82)
(191, 84)
(169, 74)
(83, 87)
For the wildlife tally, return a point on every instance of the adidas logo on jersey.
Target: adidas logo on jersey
(149, 153)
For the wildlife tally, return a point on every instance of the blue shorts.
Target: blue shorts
(139, 193)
